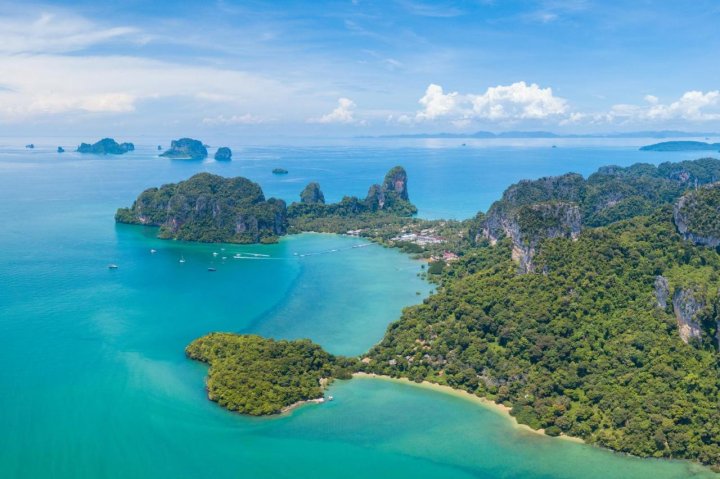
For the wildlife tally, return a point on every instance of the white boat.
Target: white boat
(112, 266)
(182, 259)
(214, 254)
(153, 251)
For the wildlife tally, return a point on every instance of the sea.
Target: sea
(95, 382)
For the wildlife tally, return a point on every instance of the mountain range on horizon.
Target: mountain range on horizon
(547, 134)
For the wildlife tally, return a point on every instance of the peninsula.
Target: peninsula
(106, 146)
(682, 146)
(586, 306)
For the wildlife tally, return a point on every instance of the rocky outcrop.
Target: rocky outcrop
(223, 154)
(688, 306)
(312, 195)
(60, 149)
(209, 208)
(186, 149)
(392, 195)
(106, 146)
(396, 181)
(662, 291)
(697, 216)
(528, 225)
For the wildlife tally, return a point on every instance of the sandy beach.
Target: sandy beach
(493, 406)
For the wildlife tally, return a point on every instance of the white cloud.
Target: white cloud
(36, 85)
(692, 106)
(436, 103)
(45, 32)
(344, 113)
(518, 101)
(246, 119)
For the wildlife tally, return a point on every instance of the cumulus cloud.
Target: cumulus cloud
(518, 101)
(692, 106)
(344, 113)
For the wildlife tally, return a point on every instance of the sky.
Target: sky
(358, 67)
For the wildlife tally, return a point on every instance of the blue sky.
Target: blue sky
(358, 67)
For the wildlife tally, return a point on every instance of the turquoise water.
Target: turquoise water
(95, 382)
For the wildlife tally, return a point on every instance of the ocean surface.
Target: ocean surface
(95, 383)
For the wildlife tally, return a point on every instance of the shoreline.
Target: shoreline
(497, 408)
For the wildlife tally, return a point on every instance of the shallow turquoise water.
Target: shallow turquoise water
(95, 381)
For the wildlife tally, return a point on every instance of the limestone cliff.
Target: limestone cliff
(688, 305)
(209, 208)
(697, 216)
(312, 194)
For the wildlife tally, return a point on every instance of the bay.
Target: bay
(96, 384)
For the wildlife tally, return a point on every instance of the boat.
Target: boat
(153, 251)
(182, 259)
(112, 266)
(214, 253)
(212, 269)
(330, 398)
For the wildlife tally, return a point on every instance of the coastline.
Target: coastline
(486, 403)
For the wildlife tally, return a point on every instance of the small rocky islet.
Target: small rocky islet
(106, 146)
(186, 149)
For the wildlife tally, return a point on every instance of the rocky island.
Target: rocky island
(186, 149)
(209, 208)
(223, 154)
(279, 171)
(106, 146)
(603, 326)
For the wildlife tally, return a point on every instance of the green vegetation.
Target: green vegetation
(386, 204)
(612, 336)
(106, 146)
(209, 208)
(697, 215)
(186, 149)
(258, 376)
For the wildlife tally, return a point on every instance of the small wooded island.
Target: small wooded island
(588, 306)
(106, 146)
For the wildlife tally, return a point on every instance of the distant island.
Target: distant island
(280, 171)
(186, 149)
(60, 149)
(106, 146)
(587, 306)
(682, 146)
(223, 154)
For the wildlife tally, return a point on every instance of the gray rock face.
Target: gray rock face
(528, 225)
(662, 291)
(312, 195)
(686, 307)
